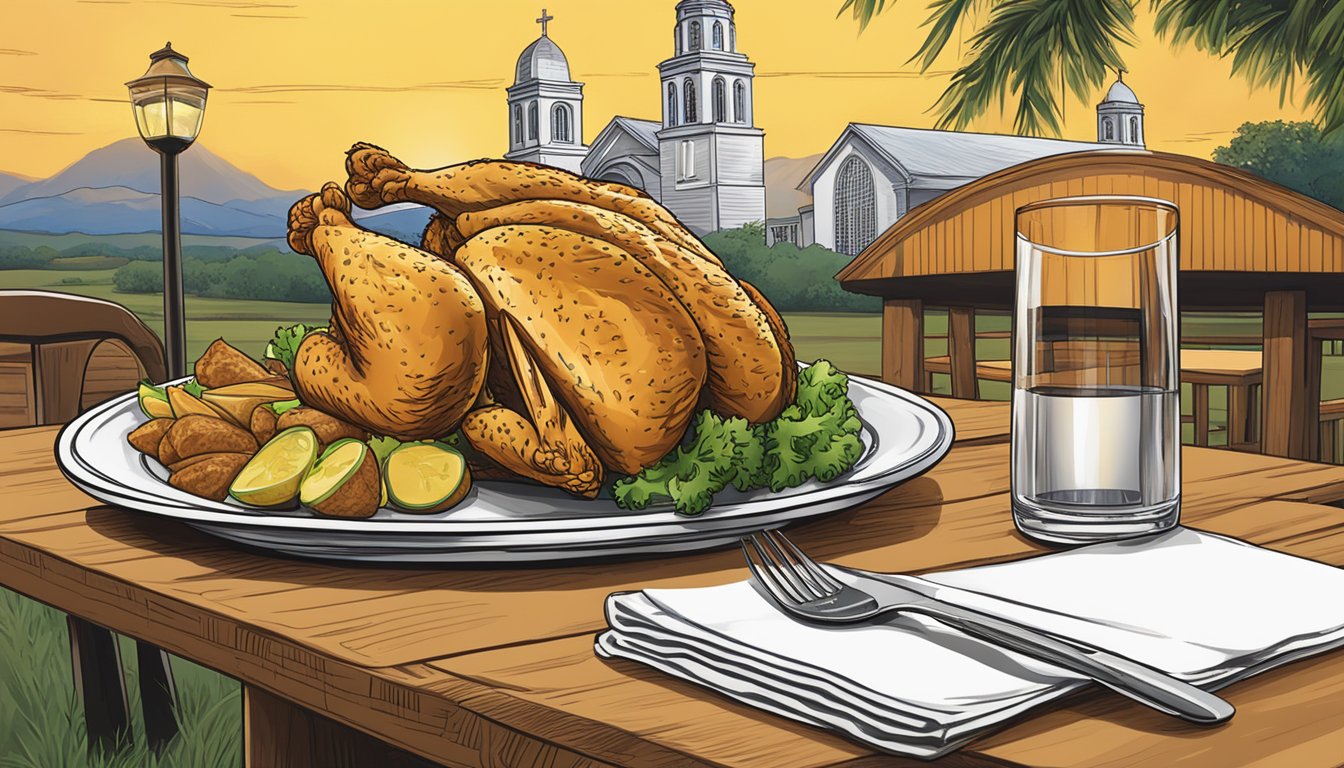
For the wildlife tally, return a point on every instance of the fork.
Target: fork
(801, 587)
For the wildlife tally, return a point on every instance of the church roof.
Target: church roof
(542, 60)
(1121, 92)
(644, 131)
(954, 154)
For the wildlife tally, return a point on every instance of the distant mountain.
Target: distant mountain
(12, 181)
(782, 177)
(119, 210)
(114, 190)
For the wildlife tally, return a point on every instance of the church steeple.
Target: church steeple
(545, 106)
(1120, 115)
(711, 153)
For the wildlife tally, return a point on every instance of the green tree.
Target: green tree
(793, 279)
(1295, 155)
(1034, 50)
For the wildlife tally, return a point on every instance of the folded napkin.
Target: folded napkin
(1205, 608)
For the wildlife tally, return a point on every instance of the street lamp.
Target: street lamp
(169, 103)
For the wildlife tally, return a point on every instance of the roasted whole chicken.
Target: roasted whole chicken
(567, 327)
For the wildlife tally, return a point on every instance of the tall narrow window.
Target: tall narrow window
(688, 86)
(716, 38)
(560, 124)
(739, 102)
(1134, 137)
(1108, 133)
(732, 37)
(695, 35)
(678, 38)
(517, 124)
(720, 101)
(532, 121)
(685, 160)
(855, 207)
(671, 105)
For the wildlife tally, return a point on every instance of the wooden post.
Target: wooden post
(961, 351)
(1238, 414)
(903, 343)
(279, 734)
(96, 661)
(1200, 407)
(158, 695)
(1290, 419)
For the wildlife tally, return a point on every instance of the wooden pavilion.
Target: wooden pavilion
(1245, 244)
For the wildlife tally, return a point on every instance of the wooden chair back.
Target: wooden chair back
(61, 354)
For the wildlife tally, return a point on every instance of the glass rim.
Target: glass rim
(1083, 200)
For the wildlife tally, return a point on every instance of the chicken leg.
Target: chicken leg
(407, 351)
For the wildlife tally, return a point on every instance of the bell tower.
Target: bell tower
(545, 106)
(711, 155)
(1120, 115)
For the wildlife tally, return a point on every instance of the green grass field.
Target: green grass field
(41, 724)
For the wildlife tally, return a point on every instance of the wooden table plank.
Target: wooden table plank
(977, 421)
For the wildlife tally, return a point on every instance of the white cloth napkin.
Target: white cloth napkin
(1205, 608)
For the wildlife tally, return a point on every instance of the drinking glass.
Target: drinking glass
(1096, 392)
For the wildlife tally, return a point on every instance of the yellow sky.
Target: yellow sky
(297, 81)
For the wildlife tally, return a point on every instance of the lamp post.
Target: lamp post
(169, 103)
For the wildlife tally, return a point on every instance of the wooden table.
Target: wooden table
(1238, 370)
(476, 667)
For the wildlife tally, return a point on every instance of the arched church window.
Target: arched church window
(560, 124)
(855, 207)
(532, 121)
(517, 124)
(1107, 131)
(695, 35)
(717, 38)
(671, 105)
(688, 88)
(1134, 130)
(720, 101)
(678, 38)
(739, 102)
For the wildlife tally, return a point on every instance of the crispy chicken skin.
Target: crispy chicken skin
(611, 342)
(746, 368)
(406, 354)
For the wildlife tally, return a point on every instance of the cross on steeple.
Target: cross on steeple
(543, 20)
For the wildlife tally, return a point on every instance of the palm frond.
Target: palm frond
(863, 10)
(1271, 43)
(944, 16)
(1025, 48)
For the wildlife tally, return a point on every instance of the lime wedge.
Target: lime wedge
(273, 475)
(426, 477)
(154, 401)
(337, 465)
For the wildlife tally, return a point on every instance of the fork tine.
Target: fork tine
(789, 571)
(765, 576)
(813, 567)
(798, 568)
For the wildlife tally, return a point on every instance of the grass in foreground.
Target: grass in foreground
(43, 723)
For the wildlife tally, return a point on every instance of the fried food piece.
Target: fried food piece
(328, 428)
(750, 373)
(610, 340)
(209, 476)
(223, 364)
(146, 437)
(195, 434)
(262, 424)
(406, 353)
(377, 179)
(441, 237)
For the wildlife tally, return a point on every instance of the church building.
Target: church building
(704, 160)
(874, 174)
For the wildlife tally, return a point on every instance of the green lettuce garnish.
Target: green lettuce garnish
(817, 436)
(286, 342)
